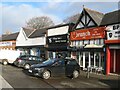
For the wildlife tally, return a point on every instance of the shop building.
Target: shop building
(32, 41)
(112, 22)
(58, 40)
(87, 40)
(8, 41)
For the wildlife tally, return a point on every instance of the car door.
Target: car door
(70, 67)
(58, 68)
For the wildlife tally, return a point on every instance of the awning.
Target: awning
(57, 48)
(94, 46)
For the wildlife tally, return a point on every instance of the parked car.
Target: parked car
(56, 67)
(26, 61)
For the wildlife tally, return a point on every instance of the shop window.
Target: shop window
(81, 59)
(74, 43)
(86, 42)
(77, 43)
(92, 58)
(97, 59)
(101, 41)
(96, 41)
(81, 43)
(91, 41)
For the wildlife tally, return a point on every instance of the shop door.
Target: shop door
(112, 61)
(118, 61)
(80, 58)
(86, 59)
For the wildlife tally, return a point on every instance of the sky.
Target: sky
(15, 13)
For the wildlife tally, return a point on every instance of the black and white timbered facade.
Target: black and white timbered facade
(87, 39)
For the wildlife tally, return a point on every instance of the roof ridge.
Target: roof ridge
(112, 11)
(32, 32)
(93, 10)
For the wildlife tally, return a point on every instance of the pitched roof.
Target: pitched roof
(38, 33)
(8, 37)
(111, 18)
(96, 16)
(28, 31)
(41, 32)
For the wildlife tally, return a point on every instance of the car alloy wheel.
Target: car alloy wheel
(27, 66)
(75, 74)
(46, 74)
(5, 62)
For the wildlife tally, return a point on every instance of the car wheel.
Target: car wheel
(5, 62)
(46, 74)
(75, 74)
(27, 66)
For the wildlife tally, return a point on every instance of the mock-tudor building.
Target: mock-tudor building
(112, 22)
(87, 40)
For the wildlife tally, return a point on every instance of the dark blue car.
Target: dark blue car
(56, 67)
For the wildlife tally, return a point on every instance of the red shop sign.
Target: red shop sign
(85, 34)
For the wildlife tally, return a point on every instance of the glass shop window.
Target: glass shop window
(74, 43)
(101, 41)
(91, 41)
(86, 42)
(81, 42)
(97, 41)
(77, 43)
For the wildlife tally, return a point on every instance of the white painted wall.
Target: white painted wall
(22, 40)
(58, 31)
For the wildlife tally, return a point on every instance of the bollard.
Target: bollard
(88, 72)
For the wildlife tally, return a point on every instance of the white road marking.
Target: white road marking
(4, 83)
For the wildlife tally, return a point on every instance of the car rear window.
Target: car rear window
(23, 57)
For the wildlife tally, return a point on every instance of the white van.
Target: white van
(8, 56)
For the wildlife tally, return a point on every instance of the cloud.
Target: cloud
(15, 16)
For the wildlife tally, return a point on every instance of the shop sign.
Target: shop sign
(57, 39)
(86, 34)
(5, 43)
(113, 32)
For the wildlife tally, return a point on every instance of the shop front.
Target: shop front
(58, 40)
(113, 49)
(57, 46)
(87, 46)
(32, 44)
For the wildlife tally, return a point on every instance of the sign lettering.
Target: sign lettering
(85, 34)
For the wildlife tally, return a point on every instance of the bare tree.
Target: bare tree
(8, 32)
(72, 19)
(39, 22)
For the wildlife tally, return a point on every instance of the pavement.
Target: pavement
(100, 76)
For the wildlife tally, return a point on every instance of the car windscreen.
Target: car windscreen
(49, 61)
